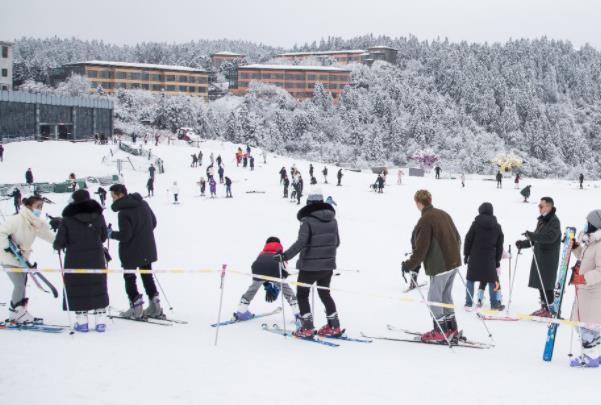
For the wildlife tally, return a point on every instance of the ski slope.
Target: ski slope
(139, 363)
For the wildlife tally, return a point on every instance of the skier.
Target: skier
(151, 170)
(339, 175)
(175, 191)
(266, 265)
(228, 187)
(29, 177)
(462, 177)
(437, 169)
(16, 195)
(252, 163)
(73, 181)
(212, 158)
(317, 242)
(299, 189)
(239, 154)
(286, 184)
(517, 181)
(547, 243)
(586, 277)
(213, 187)
(221, 172)
(248, 150)
(22, 229)
(150, 187)
(437, 246)
(311, 170)
(325, 174)
(283, 174)
(194, 160)
(245, 161)
(499, 179)
(482, 252)
(199, 158)
(313, 181)
(81, 234)
(581, 180)
(137, 249)
(1, 153)
(101, 195)
(380, 183)
(203, 186)
(399, 177)
(156, 140)
(219, 160)
(210, 171)
(264, 157)
(526, 193)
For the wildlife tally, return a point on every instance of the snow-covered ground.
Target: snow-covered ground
(138, 363)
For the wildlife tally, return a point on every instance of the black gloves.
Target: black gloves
(522, 244)
(55, 223)
(405, 267)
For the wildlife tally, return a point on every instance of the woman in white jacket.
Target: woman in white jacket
(23, 228)
(587, 280)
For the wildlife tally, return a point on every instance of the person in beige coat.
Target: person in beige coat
(23, 228)
(586, 277)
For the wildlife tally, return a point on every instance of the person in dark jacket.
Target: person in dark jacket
(581, 180)
(81, 234)
(438, 247)
(150, 186)
(299, 189)
(317, 243)
(311, 170)
(29, 177)
(228, 187)
(137, 249)
(101, 195)
(283, 174)
(482, 252)
(220, 172)
(252, 163)
(325, 174)
(339, 176)
(286, 185)
(499, 179)
(16, 195)
(1, 153)
(151, 170)
(546, 240)
(526, 193)
(266, 265)
(380, 183)
(437, 170)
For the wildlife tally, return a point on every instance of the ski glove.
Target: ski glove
(271, 291)
(405, 267)
(522, 244)
(55, 223)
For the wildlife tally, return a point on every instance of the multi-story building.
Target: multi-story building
(298, 80)
(6, 65)
(339, 57)
(384, 53)
(122, 75)
(224, 56)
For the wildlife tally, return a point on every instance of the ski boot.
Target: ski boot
(497, 306)
(100, 320)
(136, 308)
(18, 313)
(542, 312)
(332, 329)
(435, 335)
(243, 314)
(452, 331)
(479, 303)
(306, 330)
(413, 280)
(81, 322)
(584, 361)
(154, 309)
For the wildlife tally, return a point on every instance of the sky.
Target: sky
(284, 23)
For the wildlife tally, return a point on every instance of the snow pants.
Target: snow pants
(131, 287)
(252, 290)
(441, 290)
(19, 281)
(323, 279)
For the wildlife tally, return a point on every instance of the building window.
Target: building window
(92, 73)
(145, 76)
(134, 76)
(324, 77)
(5, 51)
(244, 75)
(157, 87)
(105, 74)
(289, 85)
(202, 89)
(266, 75)
(182, 79)
(256, 75)
(242, 84)
(312, 77)
(155, 77)
(121, 75)
(192, 89)
(170, 88)
(4, 72)
(120, 86)
(191, 79)
(170, 78)
(145, 86)
(4, 87)
(107, 85)
(183, 88)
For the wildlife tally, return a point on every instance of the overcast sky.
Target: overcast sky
(284, 23)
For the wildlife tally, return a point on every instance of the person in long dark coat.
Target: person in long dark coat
(547, 243)
(81, 234)
(482, 251)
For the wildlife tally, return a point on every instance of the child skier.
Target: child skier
(266, 265)
(213, 187)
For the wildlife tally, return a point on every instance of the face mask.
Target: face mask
(37, 212)
(585, 228)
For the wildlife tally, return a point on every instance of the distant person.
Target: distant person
(16, 195)
(437, 169)
(213, 187)
(1, 153)
(221, 172)
(499, 179)
(526, 193)
(150, 187)
(199, 158)
(228, 187)
(310, 170)
(29, 177)
(339, 176)
(283, 175)
(151, 170)
(399, 177)
(203, 186)
(517, 181)
(325, 174)
(175, 191)
(581, 180)
(252, 163)
(101, 195)
(462, 180)
(286, 185)
(219, 160)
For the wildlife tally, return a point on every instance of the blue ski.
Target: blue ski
(234, 320)
(32, 327)
(278, 331)
(555, 307)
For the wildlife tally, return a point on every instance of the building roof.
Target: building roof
(6, 43)
(382, 47)
(139, 66)
(293, 67)
(357, 51)
(226, 53)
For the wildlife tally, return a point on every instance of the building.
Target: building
(6, 65)
(224, 56)
(49, 116)
(344, 57)
(298, 80)
(122, 75)
(339, 57)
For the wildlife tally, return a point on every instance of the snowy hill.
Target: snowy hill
(179, 364)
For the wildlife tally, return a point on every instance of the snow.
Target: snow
(141, 363)
(139, 65)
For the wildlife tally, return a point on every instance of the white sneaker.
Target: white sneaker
(100, 320)
(19, 314)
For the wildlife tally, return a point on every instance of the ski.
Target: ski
(416, 339)
(37, 277)
(411, 288)
(32, 327)
(555, 307)
(499, 317)
(348, 339)
(142, 320)
(234, 320)
(165, 318)
(278, 331)
(462, 339)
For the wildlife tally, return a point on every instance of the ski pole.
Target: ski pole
(515, 273)
(313, 301)
(281, 265)
(221, 284)
(163, 292)
(509, 264)
(60, 261)
(540, 277)
(434, 316)
(472, 298)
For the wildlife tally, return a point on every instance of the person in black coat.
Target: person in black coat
(339, 176)
(265, 265)
(137, 248)
(81, 234)
(29, 177)
(317, 244)
(16, 195)
(482, 251)
(102, 195)
(286, 185)
(228, 187)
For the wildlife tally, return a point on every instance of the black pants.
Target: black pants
(550, 297)
(131, 287)
(323, 279)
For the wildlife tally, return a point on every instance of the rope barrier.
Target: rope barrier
(403, 299)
